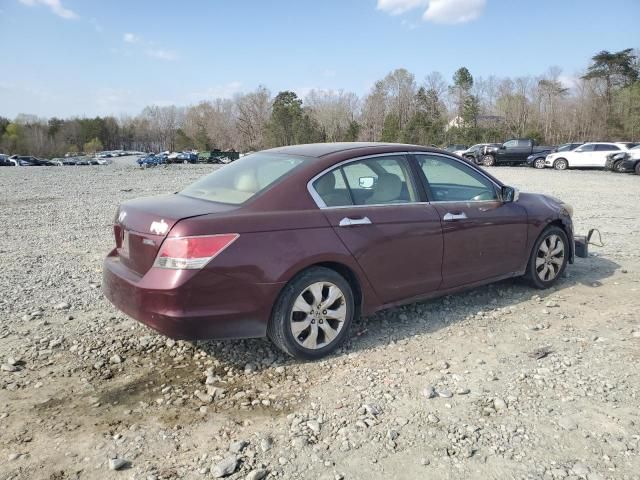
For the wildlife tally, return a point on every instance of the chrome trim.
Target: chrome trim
(320, 203)
(349, 222)
(449, 217)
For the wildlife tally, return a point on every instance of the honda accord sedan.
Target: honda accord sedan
(296, 242)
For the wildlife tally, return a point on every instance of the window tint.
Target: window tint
(451, 181)
(383, 180)
(586, 148)
(603, 147)
(511, 144)
(524, 143)
(332, 189)
(239, 181)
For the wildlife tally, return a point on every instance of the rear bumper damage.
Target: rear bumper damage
(190, 304)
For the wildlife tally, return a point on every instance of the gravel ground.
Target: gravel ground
(499, 382)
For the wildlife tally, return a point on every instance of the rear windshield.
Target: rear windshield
(239, 181)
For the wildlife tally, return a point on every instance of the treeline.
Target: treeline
(601, 104)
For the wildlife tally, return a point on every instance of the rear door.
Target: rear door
(520, 151)
(483, 237)
(374, 206)
(599, 158)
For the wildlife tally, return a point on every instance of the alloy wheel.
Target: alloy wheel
(550, 258)
(560, 164)
(318, 315)
(539, 163)
(488, 160)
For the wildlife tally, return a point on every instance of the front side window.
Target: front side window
(239, 181)
(451, 181)
(586, 148)
(374, 181)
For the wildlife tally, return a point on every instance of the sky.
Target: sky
(96, 57)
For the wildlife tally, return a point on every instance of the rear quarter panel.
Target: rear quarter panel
(274, 246)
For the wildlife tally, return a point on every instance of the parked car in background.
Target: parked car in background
(475, 152)
(626, 161)
(152, 160)
(215, 156)
(187, 157)
(216, 259)
(30, 161)
(69, 161)
(456, 148)
(588, 155)
(536, 160)
(512, 152)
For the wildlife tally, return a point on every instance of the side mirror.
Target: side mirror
(502, 147)
(510, 194)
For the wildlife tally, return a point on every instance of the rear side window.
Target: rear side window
(241, 180)
(603, 147)
(374, 181)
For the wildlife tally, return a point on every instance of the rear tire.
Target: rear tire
(488, 160)
(313, 314)
(561, 164)
(548, 258)
(637, 169)
(617, 167)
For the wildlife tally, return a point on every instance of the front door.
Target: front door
(374, 208)
(583, 156)
(483, 236)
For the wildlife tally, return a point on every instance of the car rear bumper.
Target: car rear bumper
(190, 304)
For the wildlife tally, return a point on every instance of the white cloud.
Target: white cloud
(454, 11)
(54, 5)
(396, 7)
(569, 81)
(130, 38)
(162, 54)
(226, 90)
(437, 11)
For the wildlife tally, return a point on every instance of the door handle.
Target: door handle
(349, 222)
(449, 217)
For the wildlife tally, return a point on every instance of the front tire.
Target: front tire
(617, 167)
(561, 164)
(313, 314)
(548, 258)
(539, 163)
(488, 160)
(637, 169)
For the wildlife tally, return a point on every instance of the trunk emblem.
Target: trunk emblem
(122, 216)
(159, 228)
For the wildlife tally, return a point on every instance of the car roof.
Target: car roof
(324, 149)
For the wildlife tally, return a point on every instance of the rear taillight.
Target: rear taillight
(184, 253)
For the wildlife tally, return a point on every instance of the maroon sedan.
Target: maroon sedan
(296, 242)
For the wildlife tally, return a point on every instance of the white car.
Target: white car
(589, 155)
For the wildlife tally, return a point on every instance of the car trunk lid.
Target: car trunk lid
(141, 225)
